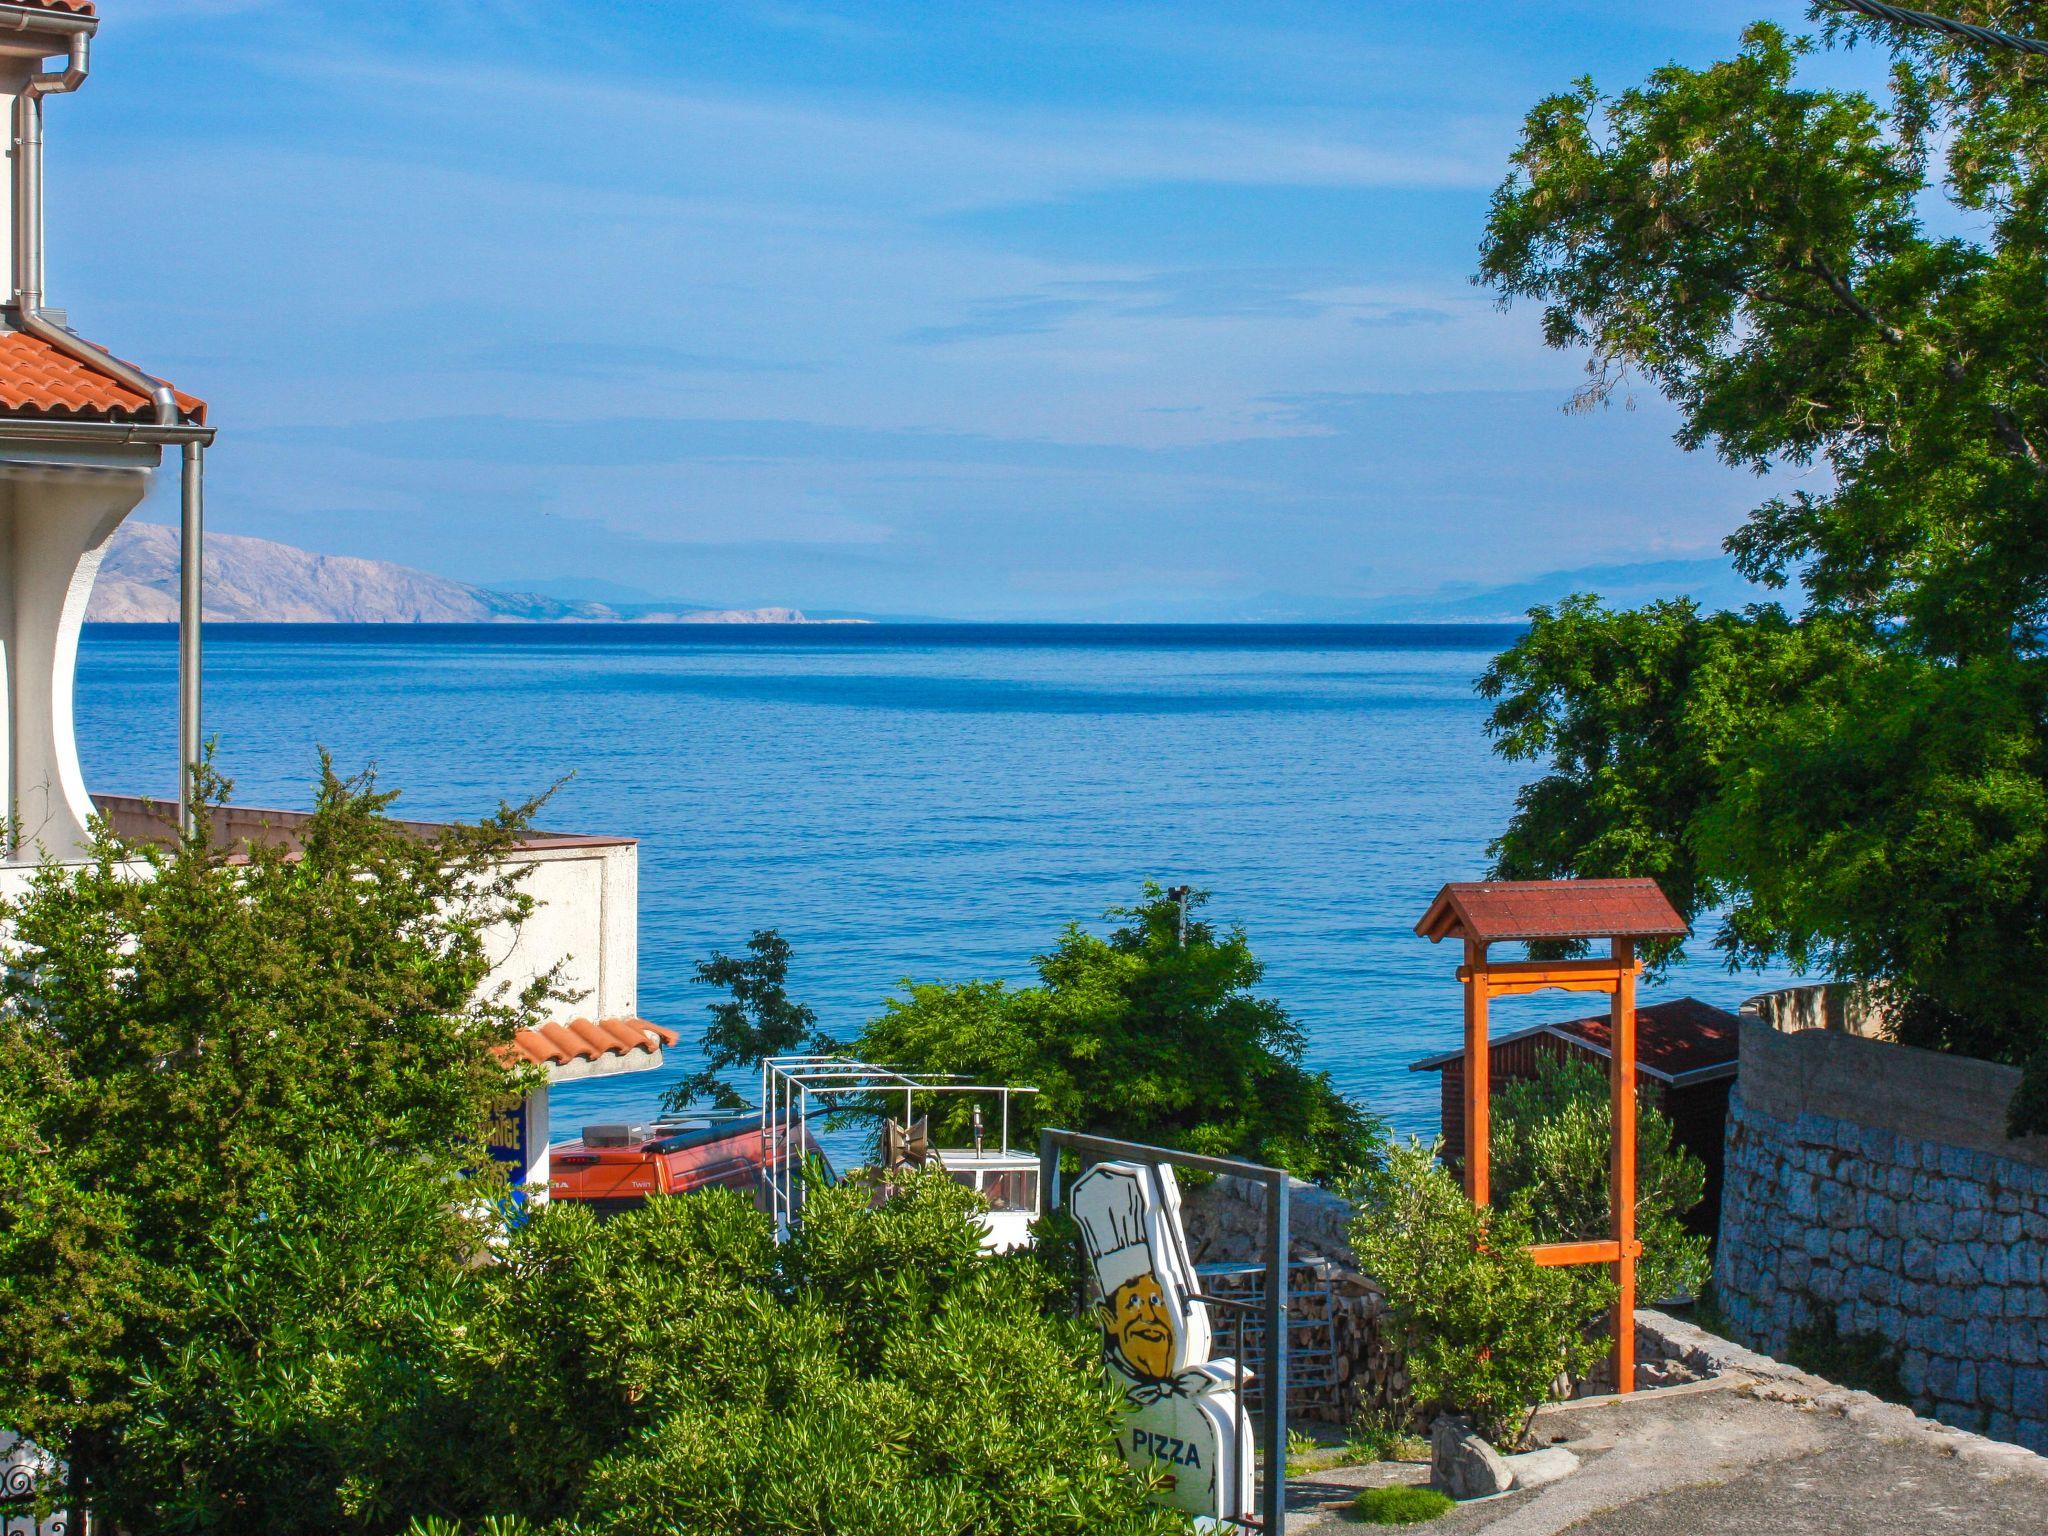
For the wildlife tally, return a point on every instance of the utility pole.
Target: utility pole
(1178, 895)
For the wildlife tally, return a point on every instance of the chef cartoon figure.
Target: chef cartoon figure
(1181, 1423)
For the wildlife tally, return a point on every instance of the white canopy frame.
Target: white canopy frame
(790, 1084)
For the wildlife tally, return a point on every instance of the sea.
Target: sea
(919, 802)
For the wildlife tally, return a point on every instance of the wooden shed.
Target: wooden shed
(1686, 1057)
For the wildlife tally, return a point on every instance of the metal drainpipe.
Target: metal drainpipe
(191, 571)
(28, 298)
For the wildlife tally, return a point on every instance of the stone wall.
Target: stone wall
(1872, 1187)
(1333, 1307)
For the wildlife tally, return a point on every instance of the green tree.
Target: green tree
(69, 1283)
(1140, 1035)
(759, 1021)
(188, 1028)
(257, 1275)
(1861, 786)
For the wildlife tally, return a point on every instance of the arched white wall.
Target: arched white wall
(59, 519)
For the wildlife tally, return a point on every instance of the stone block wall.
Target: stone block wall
(1872, 1187)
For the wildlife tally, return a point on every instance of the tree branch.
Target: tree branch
(2007, 429)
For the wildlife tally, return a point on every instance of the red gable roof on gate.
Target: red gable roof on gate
(1684, 1038)
(1504, 911)
(38, 381)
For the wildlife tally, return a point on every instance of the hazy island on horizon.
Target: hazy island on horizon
(260, 581)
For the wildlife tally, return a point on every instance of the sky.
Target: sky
(970, 310)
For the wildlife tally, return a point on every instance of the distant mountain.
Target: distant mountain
(1711, 583)
(257, 581)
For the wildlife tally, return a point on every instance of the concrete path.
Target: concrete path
(1736, 1457)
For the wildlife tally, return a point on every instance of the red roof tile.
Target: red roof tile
(1685, 1035)
(37, 380)
(588, 1040)
(67, 7)
(1672, 1039)
(1494, 911)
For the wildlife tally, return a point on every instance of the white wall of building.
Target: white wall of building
(587, 922)
(57, 515)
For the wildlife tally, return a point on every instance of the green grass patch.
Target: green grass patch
(1400, 1506)
(1384, 1442)
(1364, 1443)
(1862, 1362)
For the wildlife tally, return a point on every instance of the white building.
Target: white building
(81, 432)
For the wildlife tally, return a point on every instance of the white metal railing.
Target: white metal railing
(790, 1084)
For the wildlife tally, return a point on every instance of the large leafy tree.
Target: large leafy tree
(1150, 1033)
(1852, 286)
(188, 1027)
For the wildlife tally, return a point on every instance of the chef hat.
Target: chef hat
(1109, 1204)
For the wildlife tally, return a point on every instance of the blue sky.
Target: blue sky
(970, 309)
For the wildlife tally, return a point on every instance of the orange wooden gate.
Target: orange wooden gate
(1484, 913)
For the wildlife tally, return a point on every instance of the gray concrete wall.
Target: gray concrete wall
(1872, 1186)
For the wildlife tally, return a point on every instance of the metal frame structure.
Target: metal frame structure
(1272, 1516)
(1311, 1340)
(789, 1084)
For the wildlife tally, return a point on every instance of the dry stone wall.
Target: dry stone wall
(1334, 1309)
(1871, 1187)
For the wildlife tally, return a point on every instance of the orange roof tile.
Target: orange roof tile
(1506, 910)
(558, 1044)
(37, 380)
(68, 7)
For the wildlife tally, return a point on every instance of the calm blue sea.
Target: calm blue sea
(927, 802)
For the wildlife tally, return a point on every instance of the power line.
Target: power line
(1901, 17)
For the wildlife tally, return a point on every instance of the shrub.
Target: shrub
(311, 1358)
(1486, 1330)
(1551, 1141)
(256, 1279)
(1380, 1438)
(1400, 1506)
(877, 1374)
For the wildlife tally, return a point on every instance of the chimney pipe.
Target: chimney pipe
(28, 233)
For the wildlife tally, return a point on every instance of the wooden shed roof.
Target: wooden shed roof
(1682, 1041)
(1493, 911)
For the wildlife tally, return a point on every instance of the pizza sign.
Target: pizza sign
(1181, 1422)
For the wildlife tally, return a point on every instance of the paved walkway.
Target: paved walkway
(1736, 1457)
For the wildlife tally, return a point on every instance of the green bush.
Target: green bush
(1141, 1035)
(188, 1029)
(1551, 1141)
(1400, 1506)
(1486, 1331)
(878, 1374)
